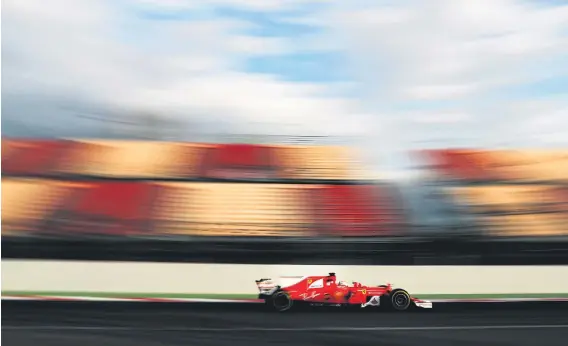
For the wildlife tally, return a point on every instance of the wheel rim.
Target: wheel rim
(400, 300)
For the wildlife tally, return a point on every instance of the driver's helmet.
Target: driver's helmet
(342, 283)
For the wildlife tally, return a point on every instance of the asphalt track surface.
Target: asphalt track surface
(153, 324)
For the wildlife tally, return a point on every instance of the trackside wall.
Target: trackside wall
(141, 277)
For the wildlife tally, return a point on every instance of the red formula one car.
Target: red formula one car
(327, 291)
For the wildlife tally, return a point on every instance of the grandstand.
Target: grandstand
(131, 159)
(518, 166)
(512, 193)
(132, 188)
(151, 188)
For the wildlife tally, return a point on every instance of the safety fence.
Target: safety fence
(368, 251)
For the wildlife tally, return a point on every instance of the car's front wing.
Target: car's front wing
(425, 304)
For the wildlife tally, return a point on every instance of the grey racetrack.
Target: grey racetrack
(153, 324)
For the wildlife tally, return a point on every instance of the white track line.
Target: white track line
(307, 329)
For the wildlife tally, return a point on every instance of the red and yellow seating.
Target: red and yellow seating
(527, 225)
(109, 207)
(354, 210)
(133, 159)
(32, 157)
(517, 210)
(511, 165)
(238, 160)
(317, 162)
(221, 209)
(534, 165)
(152, 159)
(512, 198)
(28, 203)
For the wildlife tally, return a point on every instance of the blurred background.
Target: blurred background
(393, 132)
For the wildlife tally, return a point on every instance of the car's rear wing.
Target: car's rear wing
(266, 286)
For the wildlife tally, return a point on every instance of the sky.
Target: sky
(386, 76)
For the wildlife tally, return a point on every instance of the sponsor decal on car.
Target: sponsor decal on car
(306, 296)
(316, 284)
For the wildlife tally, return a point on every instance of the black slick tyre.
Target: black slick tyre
(399, 300)
(281, 301)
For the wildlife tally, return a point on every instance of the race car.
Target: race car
(327, 291)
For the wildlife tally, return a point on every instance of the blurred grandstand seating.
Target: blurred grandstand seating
(27, 203)
(517, 210)
(191, 208)
(512, 192)
(120, 207)
(526, 225)
(317, 162)
(501, 165)
(110, 207)
(354, 210)
(132, 159)
(150, 159)
(216, 209)
(238, 160)
(291, 190)
(508, 198)
(32, 157)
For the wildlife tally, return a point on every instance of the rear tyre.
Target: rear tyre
(281, 301)
(400, 300)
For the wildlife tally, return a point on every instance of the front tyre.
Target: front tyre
(400, 300)
(281, 301)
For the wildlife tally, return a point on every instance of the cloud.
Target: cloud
(400, 74)
(255, 5)
(439, 118)
(449, 49)
(465, 69)
(107, 53)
